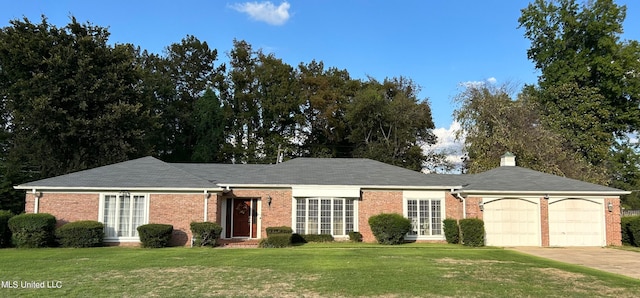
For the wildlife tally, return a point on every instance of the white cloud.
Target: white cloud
(478, 84)
(265, 11)
(448, 144)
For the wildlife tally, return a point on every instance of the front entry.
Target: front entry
(242, 218)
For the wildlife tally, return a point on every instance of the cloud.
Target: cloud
(448, 144)
(478, 84)
(265, 11)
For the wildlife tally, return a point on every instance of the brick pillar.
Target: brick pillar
(612, 222)
(544, 221)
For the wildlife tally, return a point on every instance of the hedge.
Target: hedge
(86, 233)
(278, 230)
(205, 233)
(451, 231)
(276, 241)
(155, 235)
(316, 238)
(389, 228)
(32, 230)
(472, 232)
(355, 236)
(5, 232)
(630, 227)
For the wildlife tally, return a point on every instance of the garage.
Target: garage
(576, 222)
(512, 222)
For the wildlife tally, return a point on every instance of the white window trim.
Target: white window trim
(425, 195)
(355, 213)
(101, 215)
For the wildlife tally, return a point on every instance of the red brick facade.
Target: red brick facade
(180, 209)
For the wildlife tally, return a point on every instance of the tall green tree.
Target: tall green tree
(209, 128)
(493, 123)
(71, 101)
(390, 124)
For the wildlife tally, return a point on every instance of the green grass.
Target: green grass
(312, 270)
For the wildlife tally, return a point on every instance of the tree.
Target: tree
(208, 128)
(175, 82)
(388, 123)
(70, 100)
(493, 124)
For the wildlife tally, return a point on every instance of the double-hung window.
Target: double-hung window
(334, 216)
(426, 217)
(122, 214)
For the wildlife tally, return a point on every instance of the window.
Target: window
(334, 216)
(425, 216)
(122, 214)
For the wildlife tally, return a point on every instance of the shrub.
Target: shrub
(205, 233)
(279, 230)
(389, 228)
(317, 238)
(155, 235)
(33, 230)
(472, 232)
(5, 232)
(86, 233)
(451, 231)
(297, 238)
(355, 236)
(627, 235)
(276, 241)
(633, 229)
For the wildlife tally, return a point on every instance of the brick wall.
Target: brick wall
(473, 207)
(612, 222)
(66, 207)
(374, 202)
(544, 221)
(453, 207)
(178, 210)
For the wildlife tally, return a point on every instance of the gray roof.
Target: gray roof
(149, 172)
(517, 179)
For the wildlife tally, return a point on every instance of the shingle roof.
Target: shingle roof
(513, 178)
(149, 172)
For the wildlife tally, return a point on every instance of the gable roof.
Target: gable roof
(516, 179)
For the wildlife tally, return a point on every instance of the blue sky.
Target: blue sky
(438, 44)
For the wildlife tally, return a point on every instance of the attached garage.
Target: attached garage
(512, 222)
(576, 222)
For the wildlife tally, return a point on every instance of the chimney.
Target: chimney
(508, 160)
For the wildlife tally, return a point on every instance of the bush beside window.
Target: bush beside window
(278, 230)
(389, 228)
(205, 233)
(355, 236)
(155, 235)
(276, 241)
(33, 230)
(5, 232)
(451, 230)
(86, 233)
(316, 238)
(630, 227)
(472, 232)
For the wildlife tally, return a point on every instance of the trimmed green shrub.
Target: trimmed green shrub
(155, 235)
(451, 231)
(355, 236)
(5, 232)
(389, 228)
(33, 230)
(205, 233)
(276, 241)
(625, 229)
(317, 238)
(279, 230)
(297, 239)
(634, 230)
(472, 232)
(86, 233)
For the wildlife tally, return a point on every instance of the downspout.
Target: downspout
(464, 203)
(36, 202)
(206, 205)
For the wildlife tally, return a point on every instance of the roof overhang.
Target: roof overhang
(119, 189)
(541, 193)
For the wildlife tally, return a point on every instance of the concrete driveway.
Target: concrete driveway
(601, 258)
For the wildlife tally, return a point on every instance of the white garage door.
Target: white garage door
(512, 222)
(576, 222)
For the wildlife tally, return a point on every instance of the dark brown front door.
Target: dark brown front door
(241, 217)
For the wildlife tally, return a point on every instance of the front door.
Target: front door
(244, 217)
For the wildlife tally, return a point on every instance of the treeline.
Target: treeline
(72, 101)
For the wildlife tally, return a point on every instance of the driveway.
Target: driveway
(605, 259)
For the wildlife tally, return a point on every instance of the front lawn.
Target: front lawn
(312, 270)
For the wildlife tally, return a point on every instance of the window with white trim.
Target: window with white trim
(334, 216)
(122, 214)
(425, 216)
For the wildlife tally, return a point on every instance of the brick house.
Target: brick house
(520, 207)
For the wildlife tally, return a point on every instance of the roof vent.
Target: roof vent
(508, 160)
